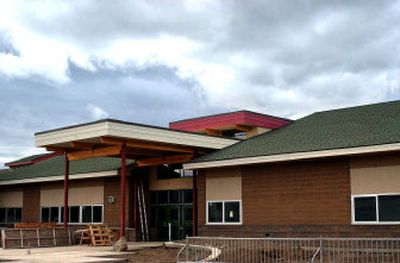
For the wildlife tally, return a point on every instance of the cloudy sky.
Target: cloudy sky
(63, 63)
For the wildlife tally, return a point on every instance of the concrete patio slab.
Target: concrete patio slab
(71, 253)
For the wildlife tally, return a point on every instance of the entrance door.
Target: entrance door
(170, 211)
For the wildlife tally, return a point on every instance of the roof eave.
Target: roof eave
(294, 156)
(54, 178)
(129, 131)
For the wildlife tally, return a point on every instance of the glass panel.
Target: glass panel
(153, 197)
(389, 208)
(163, 216)
(97, 214)
(2, 215)
(365, 209)
(174, 214)
(62, 215)
(163, 197)
(232, 212)
(215, 212)
(153, 216)
(188, 173)
(174, 197)
(10, 215)
(18, 215)
(187, 196)
(86, 214)
(54, 214)
(45, 214)
(74, 214)
(187, 213)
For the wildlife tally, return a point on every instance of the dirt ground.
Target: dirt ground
(157, 255)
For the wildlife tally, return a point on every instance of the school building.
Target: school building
(332, 173)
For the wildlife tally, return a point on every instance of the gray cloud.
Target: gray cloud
(154, 62)
(33, 105)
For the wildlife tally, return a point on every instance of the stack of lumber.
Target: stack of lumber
(100, 235)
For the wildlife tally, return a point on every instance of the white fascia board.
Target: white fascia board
(130, 131)
(294, 156)
(168, 136)
(71, 134)
(61, 177)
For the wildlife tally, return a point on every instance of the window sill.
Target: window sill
(223, 224)
(375, 223)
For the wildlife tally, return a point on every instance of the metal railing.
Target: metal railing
(290, 250)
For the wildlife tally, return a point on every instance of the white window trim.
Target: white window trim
(80, 214)
(223, 213)
(377, 222)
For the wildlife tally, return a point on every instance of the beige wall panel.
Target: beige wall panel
(256, 131)
(51, 197)
(79, 194)
(224, 188)
(375, 180)
(11, 198)
(168, 184)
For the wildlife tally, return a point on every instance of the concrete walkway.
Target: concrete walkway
(70, 254)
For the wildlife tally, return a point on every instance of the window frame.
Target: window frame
(223, 212)
(60, 214)
(376, 222)
(7, 222)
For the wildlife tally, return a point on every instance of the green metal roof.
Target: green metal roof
(368, 125)
(55, 167)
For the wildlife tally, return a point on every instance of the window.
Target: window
(77, 214)
(170, 197)
(50, 214)
(174, 197)
(187, 196)
(232, 212)
(10, 215)
(74, 214)
(224, 212)
(389, 208)
(86, 214)
(365, 209)
(97, 214)
(384, 209)
(215, 212)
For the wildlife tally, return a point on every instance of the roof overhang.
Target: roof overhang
(143, 143)
(295, 156)
(60, 178)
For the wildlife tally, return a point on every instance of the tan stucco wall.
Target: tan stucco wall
(256, 131)
(224, 188)
(11, 198)
(79, 194)
(168, 184)
(375, 180)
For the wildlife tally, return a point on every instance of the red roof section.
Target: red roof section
(30, 161)
(248, 118)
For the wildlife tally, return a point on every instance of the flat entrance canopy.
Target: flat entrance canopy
(147, 145)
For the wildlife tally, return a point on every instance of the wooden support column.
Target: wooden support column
(194, 203)
(66, 179)
(123, 191)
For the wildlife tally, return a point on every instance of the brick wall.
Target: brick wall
(31, 203)
(299, 193)
(111, 210)
(309, 198)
